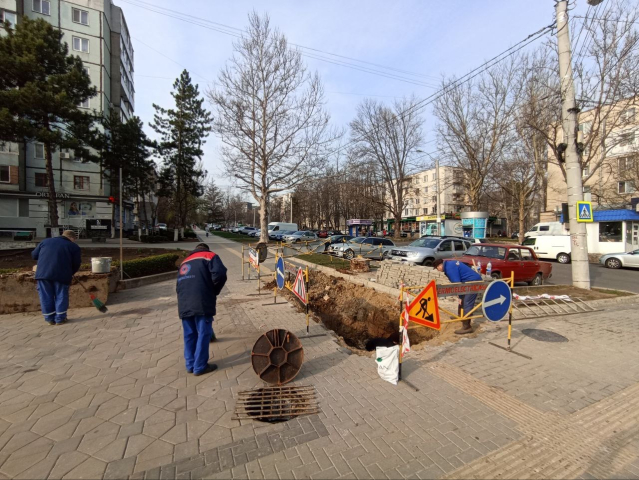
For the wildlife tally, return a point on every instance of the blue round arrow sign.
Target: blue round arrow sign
(497, 300)
(279, 273)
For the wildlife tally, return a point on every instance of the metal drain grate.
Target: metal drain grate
(276, 404)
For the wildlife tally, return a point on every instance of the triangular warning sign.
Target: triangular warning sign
(585, 212)
(424, 309)
(299, 287)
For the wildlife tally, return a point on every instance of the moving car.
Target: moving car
(371, 247)
(555, 247)
(301, 236)
(505, 259)
(426, 250)
(618, 260)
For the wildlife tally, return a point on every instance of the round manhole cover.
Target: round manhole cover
(543, 335)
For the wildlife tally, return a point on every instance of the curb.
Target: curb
(142, 281)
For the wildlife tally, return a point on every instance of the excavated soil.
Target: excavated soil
(358, 314)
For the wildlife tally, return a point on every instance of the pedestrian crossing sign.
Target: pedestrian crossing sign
(584, 212)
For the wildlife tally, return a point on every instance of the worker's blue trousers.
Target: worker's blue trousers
(197, 336)
(54, 300)
(468, 302)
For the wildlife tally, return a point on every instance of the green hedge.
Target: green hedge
(143, 267)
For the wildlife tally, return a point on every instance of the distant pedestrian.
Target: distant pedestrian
(200, 280)
(458, 272)
(58, 258)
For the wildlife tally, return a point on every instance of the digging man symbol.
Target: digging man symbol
(423, 310)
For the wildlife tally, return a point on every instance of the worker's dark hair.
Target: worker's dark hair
(437, 263)
(202, 246)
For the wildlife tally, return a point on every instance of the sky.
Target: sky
(429, 38)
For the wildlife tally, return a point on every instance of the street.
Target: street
(601, 277)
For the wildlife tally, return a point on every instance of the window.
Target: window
(5, 177)
(625, 163)
(8, 207)
(425, 189)
(425, 210)
(513, 255)
(41, 180)
(433, 198)
(626, 138)
(84, 104)
(544, 228)
(81, 183)
(80, 16)
(585, 128)
(42, 6)
(585, 171)
(8, 147)
(628, 115)
(610, 231)
(526, 255)
(446, 246)
(460, 246)
(81, 44)
(626, 187)
(6, 16)
(38, 151)
(425, 178)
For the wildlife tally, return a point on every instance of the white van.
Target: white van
(556, 247)
(275, 226)
(546, 228)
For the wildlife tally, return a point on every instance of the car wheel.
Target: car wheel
(349, 254)
(385, 255)
(496, 275)
(537, 281)
(563, 258)
(613, 263)
(428, 262)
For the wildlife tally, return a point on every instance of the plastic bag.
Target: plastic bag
(388, 363)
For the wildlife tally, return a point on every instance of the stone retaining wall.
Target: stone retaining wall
(17, 245)
(392, 274)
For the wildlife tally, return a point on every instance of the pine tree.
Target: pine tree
(182, 133)
(41, 87)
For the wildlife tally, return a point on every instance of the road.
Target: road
(623, 279)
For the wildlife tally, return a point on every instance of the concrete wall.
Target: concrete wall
(392, 274)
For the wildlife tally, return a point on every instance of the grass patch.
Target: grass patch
(618, 293)
(326, 260)
(236, 236)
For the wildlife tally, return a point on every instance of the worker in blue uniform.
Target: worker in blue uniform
(58, 258)
(200, 280)
(458, 272)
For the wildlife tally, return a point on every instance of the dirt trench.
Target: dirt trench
(354, 312)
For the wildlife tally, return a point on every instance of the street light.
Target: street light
(439, 218)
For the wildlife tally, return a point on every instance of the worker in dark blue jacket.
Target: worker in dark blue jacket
(200, 280)
(458, 272)
(58, 260)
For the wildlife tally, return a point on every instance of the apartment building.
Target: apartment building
(96, 31)
(610, 160)
(421, 192)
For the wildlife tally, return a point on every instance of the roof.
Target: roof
(619, 215)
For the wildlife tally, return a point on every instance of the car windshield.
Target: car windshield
(426, 243)
(357, 240)
(337, 237)
(301, 232)
(486, 251)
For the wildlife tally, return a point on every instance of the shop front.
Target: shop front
(358, 227)
(474, 224)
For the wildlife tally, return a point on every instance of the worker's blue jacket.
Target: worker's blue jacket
(58, 260)
(200, 280)
(457, 271)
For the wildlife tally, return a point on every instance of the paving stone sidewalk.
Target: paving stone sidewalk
(107, 396)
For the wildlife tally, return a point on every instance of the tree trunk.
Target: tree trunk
(263, 219)
(398, 226)
(522, 216)
(53, 201)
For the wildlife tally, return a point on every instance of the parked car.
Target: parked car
(281, 226)
(371, 247)
(505, 259)
(246, 230)
(161, 226)
(555, 247)
(279, 234)
(426, 250)
(301, 236)
(255, 233)
(322, 234)
(546, 228)
(336, 239)
(618, 260)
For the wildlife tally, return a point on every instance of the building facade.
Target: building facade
(95, 31)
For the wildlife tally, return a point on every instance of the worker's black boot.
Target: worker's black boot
(466, 328)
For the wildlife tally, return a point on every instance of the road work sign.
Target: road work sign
(299, 287)
(254, 258)
(280, 273)
(584, 212)
(497, 300)
(424, 309)
(461, 289)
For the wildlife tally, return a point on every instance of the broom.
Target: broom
(96, 302)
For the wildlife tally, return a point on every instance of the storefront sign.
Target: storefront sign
(429, 218)
(45, 194)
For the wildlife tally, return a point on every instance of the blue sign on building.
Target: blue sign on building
(497, 300)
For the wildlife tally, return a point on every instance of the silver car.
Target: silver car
(371, 247)
(301, 236)
(428, 249)
(618, 260)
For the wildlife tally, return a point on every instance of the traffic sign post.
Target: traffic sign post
(497, 300)
(280, 273)
(424, 309)
(584, 212)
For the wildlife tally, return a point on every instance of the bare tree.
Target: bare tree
(476, 123)
(387, 137)
(270, 115)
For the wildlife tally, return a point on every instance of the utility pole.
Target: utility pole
(439, 217)
(121, 248)
(569, 112)
(291, 197)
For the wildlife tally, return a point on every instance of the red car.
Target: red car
(322, 234)
(505, 259)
